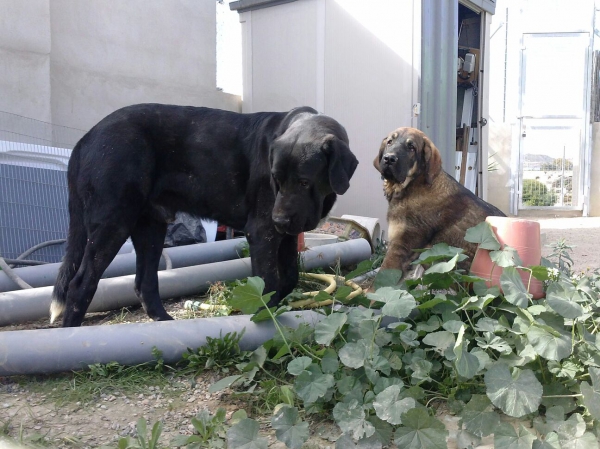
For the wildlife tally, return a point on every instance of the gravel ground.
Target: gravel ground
(27, 415)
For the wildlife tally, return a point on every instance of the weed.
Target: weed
(87, 386)
(561, 252)
(209, 431)
(379, 253)
(141, 440)
(219, 353)
(213, 304)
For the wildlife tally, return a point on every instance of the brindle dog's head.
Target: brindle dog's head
(407, 154)
(311, 164)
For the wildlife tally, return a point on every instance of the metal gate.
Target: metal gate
(554, 89)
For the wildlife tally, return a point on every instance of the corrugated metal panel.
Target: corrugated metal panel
(438, 76)
(33, 185)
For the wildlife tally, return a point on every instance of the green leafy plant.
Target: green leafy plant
(446, 336)
(142, 440)
(209, 431)
(561, 253)
(219, 353)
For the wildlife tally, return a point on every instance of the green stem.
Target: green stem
(287, 345)
(542, 369)
(564, 396)
(272, 376)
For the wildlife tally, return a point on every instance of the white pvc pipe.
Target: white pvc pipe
(32, 304)
(124, 264)
(66, 349)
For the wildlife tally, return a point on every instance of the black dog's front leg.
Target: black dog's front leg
(287, 262)
(264, 246)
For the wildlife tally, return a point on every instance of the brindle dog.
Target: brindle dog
(426, 204)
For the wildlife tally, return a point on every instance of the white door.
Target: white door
(554, 91)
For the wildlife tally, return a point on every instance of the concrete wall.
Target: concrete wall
(25, 58)
(338, 57)
(72, 62)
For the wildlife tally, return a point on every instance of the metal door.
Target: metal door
(554, 89)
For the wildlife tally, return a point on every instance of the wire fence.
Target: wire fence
(33, 185)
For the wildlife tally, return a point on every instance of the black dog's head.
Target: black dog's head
(311, 163)
(405, 154)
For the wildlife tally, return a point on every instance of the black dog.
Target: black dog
(270, 174)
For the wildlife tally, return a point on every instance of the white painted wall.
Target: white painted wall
(339, 57)
(71, 62)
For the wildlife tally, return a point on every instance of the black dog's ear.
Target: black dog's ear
(274, 185)
(433, 160)
(342, 163)
(377, 159)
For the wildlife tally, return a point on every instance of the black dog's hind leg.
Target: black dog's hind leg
(148, 238)
(103, 244)
(287, 265)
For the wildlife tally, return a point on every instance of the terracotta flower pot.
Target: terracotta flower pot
(301, 246)
(524, 236)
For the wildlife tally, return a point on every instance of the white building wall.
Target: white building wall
(73, 62)
(25, 58)
(339, 57)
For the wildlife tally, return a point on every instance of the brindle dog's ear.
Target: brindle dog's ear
(433, 160)
(379, 154)
(342, 163)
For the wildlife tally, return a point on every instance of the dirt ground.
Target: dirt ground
(34, 418)
(583, 233)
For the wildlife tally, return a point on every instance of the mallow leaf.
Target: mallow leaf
(515, 394)
(420, 431)
(507, 437)
(311, 386)
(351, 418)
(289, 428)
(353, 354)
(398, 303)
(389, 408)
(443, 267)
(550, 441)
(299, 364)
(244, 435)
(387, 278)
(249, 297)
(327, 329)
(513, 288)
(477, 417)
(549, 345)
(483, 235)
(591, 394)
(561, 301)
(467, 364)
(506, 257)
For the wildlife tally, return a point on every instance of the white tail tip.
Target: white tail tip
(56, 309)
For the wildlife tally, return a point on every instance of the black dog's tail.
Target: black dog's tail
(76, 240)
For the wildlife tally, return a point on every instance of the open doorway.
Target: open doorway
(468, 82)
